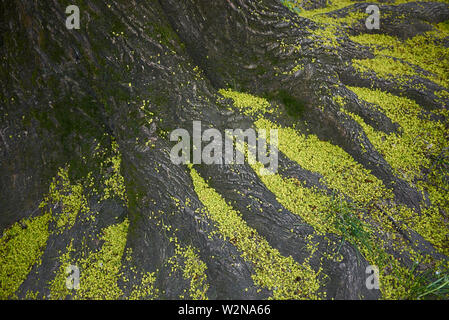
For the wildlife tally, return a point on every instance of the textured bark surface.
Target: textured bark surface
(135, 71)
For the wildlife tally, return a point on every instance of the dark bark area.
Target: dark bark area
(66, 92)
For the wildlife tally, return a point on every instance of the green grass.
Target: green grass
(437, 289)
(292, 5)
(348, 224)
(429, 285)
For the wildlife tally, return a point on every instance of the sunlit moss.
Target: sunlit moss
(57, 286)
(248, 104)
(421, 141)
(443, 27)
(442, 94)
(420, 137)
(145, 289)
(385, 67)
(422, 50)
(193, 269)
(330, 27)
(71, 198)
(286, 278)
(343, 174)
(335, 215)
(310, 204)
(21, 246)
(327, 214)
(99, 271)
(115, 183)
(408, 1)
(331, 6)
(32, 295)
(431, 224)
(339, 170)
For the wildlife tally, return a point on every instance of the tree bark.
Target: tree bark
(67, 93)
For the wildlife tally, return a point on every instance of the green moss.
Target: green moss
(21, 246)
(145, 289)
(330, 27)
(69, 196)
(286, 278)
(331, 6)
(163, 33)
(443, 27)
(339, 170)
(57, 286)
(407, 1)
(326, 35)
(99, 271)
(31, 295)
(363, 223)
(418, 146)
(115, 183)
(385, 67)
(309, 203)
(324, 213)
(193, 269)
(422, 50)
(248, 104)
(334, 215)
(420, 137)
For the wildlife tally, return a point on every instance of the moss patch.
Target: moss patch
(20, 248)
(187, 259)
(99, 271)
(420, 137)
(69, 196)
(364, 222)
(423, 50)
(282, 275)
